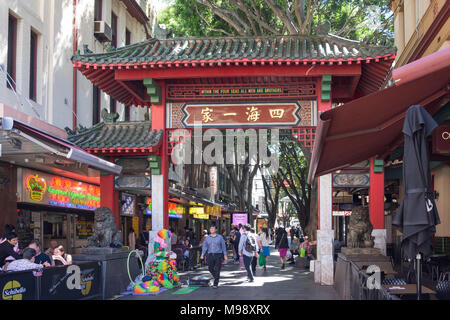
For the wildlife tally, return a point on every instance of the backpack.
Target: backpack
(250, 244)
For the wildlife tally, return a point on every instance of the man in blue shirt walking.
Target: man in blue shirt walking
(214, 245)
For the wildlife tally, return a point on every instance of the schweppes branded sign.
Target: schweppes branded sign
(13, 290)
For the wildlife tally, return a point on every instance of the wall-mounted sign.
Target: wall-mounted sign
(47, 189)
(351, 180)
(133, 182)
(84, 227)
(240, 218)
(128, 204)
(441, 140)
(342, 213)
(241, 115)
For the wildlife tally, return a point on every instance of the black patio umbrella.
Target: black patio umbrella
(417, 216)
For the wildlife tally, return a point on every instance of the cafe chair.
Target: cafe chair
(443, 287)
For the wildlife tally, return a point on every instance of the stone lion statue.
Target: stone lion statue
(105, 230)
(360, 229)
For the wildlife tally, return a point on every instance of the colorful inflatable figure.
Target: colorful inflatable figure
(163, 271)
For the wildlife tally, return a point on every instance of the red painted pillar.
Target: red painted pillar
(376, 197)
(109, 197)
(158, 119)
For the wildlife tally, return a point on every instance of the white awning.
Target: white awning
(22, 142)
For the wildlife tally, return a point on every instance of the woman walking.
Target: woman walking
(265, 242)
(282, 244)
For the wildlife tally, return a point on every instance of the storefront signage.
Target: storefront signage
(176, 210)
(241, 115)
(213, 211)
(43, 188)
(202, 216)
(243, 91)
(240, 218)
(351, 180)
(132, 182)
(148, 202)
(213, 179)
(441, 140)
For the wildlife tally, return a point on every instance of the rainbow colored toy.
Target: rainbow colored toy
(164, 234)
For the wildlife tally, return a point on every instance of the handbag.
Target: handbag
(262, 260)
(302, 252)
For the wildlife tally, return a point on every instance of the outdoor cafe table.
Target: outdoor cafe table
(408, 289)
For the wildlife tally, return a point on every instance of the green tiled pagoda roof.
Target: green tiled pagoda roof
(118, 137)
(222, 49)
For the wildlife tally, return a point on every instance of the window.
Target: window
(127, 113)
(127, 37)
(33, 64)
(98, 10)
(12, 48)
(96, 104)
(112, 105)
(114, 29)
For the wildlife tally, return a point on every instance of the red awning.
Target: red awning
(372, 125)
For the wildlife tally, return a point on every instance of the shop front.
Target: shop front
(177, 215)
(53, 207)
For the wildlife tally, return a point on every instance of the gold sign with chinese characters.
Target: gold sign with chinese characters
(241, 115)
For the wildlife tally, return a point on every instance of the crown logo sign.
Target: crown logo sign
(37, 187)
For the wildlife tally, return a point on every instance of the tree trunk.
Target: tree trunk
(311, 227)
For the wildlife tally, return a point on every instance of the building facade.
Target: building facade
(38, 40)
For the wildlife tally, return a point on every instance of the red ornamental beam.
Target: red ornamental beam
(238, 71)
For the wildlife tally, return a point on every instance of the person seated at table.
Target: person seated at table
(41, 258)
(53, 245)
(7, 252)
(60, 257)
(26, 263)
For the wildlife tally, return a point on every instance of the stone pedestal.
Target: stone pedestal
(114, 268)
(380, 239)
(342, 277)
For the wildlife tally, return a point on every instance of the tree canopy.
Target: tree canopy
(370, 21)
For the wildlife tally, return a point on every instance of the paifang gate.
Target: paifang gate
(239, 82)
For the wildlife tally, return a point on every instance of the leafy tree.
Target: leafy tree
(370, 21)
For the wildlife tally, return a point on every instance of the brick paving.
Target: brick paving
(273, 284)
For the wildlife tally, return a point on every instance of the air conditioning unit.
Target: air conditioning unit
(102, 31)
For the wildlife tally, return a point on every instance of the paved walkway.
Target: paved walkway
(273, 284)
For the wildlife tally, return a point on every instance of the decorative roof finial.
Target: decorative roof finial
(109, 117)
